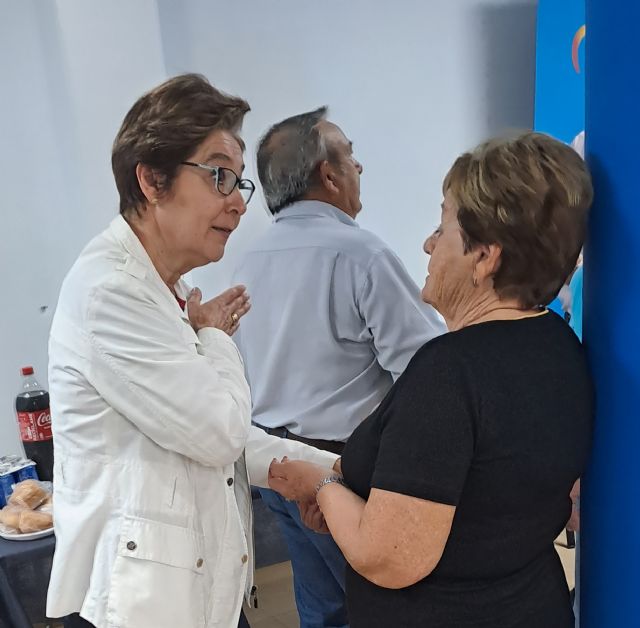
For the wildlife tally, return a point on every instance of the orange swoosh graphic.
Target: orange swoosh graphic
(575, 46)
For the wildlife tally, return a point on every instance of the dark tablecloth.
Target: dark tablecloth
(25, 567)
(24, 577)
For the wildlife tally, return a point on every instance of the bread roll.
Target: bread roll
(10, 516)
(47, 504)
(28, 494)
(34, 521)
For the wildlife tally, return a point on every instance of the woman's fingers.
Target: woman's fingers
(239, 306)
(227, 297)
(281, 486)
(195, 297)
(278, 480)
(278, 469)
(244, 308)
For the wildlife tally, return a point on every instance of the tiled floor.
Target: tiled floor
(277, 607)
(568, 558)
(276, 604)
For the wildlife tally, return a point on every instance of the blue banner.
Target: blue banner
(559, 107)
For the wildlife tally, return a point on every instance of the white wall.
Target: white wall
(412, 83)
(70, 70)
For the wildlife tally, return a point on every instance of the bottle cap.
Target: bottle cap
(27, 370)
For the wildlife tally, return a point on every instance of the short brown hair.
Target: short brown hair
(164, 127)
(530, 195)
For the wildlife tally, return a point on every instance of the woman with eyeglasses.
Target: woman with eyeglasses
(150, 406)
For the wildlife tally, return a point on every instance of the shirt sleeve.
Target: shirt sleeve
(428, 434)
(184, 391)
(262, 448)
(399, 321)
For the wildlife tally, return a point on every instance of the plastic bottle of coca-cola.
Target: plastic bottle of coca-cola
(34, 419)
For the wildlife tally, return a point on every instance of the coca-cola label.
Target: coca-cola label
(35, 426)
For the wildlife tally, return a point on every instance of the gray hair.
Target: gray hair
(288, 155)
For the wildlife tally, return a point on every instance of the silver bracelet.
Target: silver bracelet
(330, 479)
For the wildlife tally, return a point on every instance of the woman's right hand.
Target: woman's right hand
(222, 312)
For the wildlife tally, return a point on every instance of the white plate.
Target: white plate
(29, 536)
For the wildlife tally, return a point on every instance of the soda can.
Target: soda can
(9, 460)
(6, 485)
(26, 472)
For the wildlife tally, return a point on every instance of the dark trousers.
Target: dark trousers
(318, 567)
(75, 621)
(243, 623)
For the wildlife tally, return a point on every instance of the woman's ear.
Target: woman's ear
(488, 258)
(151, 182)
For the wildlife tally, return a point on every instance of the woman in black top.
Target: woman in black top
(458, 484)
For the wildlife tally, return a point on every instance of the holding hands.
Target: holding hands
(298, 481)
(312, 517)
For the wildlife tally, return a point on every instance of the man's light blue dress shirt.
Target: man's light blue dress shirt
(335, 319)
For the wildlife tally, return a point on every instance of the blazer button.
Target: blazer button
(131, 546)
(199, 563)
(244, 558)
(230, 481)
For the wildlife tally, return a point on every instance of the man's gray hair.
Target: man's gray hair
(288, 155)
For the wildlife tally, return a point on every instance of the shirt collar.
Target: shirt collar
(122, 231)
(316, 209)
(129, 240)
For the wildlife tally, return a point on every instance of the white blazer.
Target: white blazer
(152, 506)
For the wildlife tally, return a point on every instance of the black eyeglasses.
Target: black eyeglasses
(226, 180)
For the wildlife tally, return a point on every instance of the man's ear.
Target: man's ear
(328, 179)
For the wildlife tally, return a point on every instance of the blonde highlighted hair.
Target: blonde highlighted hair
(531, 196)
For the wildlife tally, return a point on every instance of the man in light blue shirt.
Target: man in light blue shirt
(335, 320)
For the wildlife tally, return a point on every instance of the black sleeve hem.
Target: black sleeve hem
(416, 488)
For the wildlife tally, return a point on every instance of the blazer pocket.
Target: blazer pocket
(157, 579)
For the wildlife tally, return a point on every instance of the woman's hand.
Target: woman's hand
(573, 524)
(297, 480)
(312, 517)
(222, 312)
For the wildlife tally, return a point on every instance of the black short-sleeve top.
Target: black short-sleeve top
(494, 419)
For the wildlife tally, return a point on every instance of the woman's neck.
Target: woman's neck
(488, 308)
(150, 237)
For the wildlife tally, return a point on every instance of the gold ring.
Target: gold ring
(234, 318)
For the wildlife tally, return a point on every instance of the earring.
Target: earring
(475, 281)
